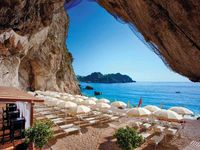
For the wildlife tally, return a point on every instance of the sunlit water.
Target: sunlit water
(154, 93)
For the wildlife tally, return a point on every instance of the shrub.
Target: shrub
(40, 133)
(128, 138)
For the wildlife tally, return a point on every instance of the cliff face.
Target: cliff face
(33, 53)
(171, 28)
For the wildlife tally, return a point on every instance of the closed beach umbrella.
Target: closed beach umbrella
(167, 115)
(103, 100)
(152, 108)
(102, 106)
(119, 104)
(81, 109)
(88, 102)
(138, 112)
(181, 110)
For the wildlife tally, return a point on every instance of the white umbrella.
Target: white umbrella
(68, 105)
(181, 110)
(64, 97)
(52, 94)
(60, 103)
(88, 102)
(167, 115)
(138, 112)
(119, 104)
(78, 100)
(93, 98)
(102, 106)
(84, 97)
(78, 96)
(51, 101)
(103, 100)
(152, 108)
(81, 109)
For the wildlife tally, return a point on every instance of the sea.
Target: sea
(161, 94)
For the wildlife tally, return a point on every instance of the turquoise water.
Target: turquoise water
(155, 93)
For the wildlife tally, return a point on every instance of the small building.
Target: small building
(23, 101)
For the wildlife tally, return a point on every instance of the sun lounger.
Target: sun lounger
(146, 125)
(156, 139)
(66, 126)
(72, 130)
(51, 116)
(159, 129)
(175, 125)
(58, 120)
(145, 135)
(171, 131)
(136, 124)
(45, 112)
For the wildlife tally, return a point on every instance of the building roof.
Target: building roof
(10, 94)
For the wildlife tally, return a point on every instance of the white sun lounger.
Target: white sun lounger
(72, 130)
(45, 112)
(51, 116)
(159, 129)
(146, 125)
(88, 119)
(66, 126)
(56, 119)
(136, 124)
(145, 135)
(156, 139)
(171, 131)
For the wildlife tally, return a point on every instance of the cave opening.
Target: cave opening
(100, 42)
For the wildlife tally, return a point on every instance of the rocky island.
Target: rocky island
(98, 77)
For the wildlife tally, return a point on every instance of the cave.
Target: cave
(33, 54)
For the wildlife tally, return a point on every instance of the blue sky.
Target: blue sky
(99, 43)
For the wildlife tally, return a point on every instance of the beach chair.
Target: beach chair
(146, 126)
(136, 124)
(58, 120)
(51, 116)
(171, 131)
(73, 129)
(145, 135)
(176, 125)
(156, 139)
(66, 126)
(159, 129)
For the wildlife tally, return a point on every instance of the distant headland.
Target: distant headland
(98, 77)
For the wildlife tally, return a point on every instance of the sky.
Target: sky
(100, 43)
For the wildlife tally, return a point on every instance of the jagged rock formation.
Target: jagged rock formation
(33, 53)
(172, 25)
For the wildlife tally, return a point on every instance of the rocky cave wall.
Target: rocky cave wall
(33, 54)
(170, 27)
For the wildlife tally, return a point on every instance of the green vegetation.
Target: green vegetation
(98, 77)
(128, 138)
(40, 133)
